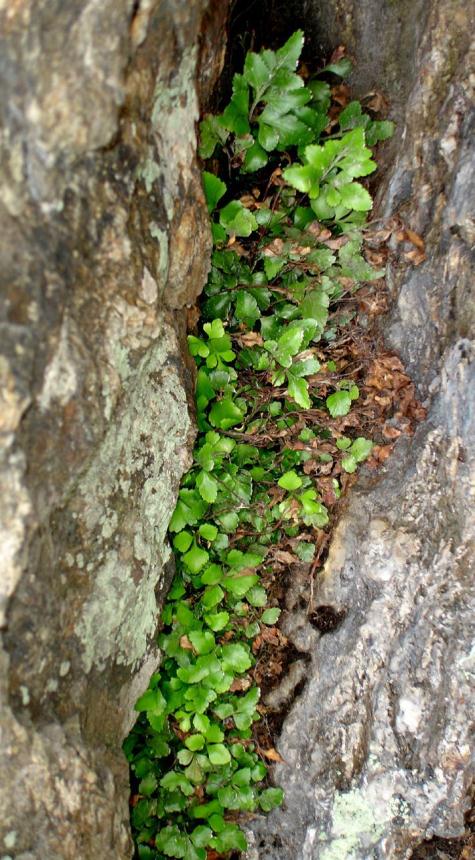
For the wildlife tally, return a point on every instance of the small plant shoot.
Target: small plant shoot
(273, 410)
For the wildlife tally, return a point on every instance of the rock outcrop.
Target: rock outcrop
(104, 240)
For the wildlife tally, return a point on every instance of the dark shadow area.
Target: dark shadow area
(256, 24)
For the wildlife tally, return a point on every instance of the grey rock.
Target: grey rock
(104, 241)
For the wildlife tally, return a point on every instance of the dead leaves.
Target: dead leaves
(274, 248)
(416, 240)
(390, 389)
(240, 685)
(272, 755)
(284, 557)
(318, 231)
(380, 236)
(417, 255)
(338, 53)
(340, 95)
(379, 455)
(251, 338)
(269, 636)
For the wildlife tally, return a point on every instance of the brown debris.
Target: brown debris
(272, 755)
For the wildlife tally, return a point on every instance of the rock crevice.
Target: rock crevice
(378, 747)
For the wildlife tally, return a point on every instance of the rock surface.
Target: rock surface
(104, 240)
(378, 746)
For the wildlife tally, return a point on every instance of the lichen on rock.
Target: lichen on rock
(104, 242)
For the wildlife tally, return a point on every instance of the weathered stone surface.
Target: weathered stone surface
(378, 747)
(104, 240)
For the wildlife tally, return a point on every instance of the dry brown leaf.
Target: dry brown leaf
(377, 258)
(185, 643)
(301, 250)
(192, 318)
(346, 283)
(417, 411)
(304, 71)
(415, 257)
(270, 635)
(285, 557)
(326, 491)
(341, 94)
(324, 468)
(276, 177)
(379, 455)
(390, 432)
(382, 452)
(335, 244)
(274, 249)
(376, 102)
(273, 635)
(319, 231)
(257, 644)
(338, 53)
(251, 338)
(272, 755)
(372, 305)
(294, 510)
(240, 684)
(375, 237)
(240, 250)
(415, 239)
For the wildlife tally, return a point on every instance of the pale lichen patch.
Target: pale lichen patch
(149, 445)
(175, 113)
(60, 382)
(358, 819)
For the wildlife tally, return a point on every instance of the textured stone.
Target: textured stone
(378, 747)
(104, 240)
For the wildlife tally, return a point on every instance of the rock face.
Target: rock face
(104, 240)
(377, 748)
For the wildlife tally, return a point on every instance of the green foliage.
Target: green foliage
(214, 189)
(355, 452)
(328, 174)
(272, 300)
